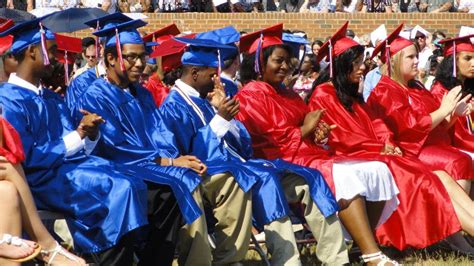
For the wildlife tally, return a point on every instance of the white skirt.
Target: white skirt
(370, 179)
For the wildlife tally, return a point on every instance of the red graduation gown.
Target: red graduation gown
(12, 148)
(460, 135)
(406, 112)
(158, 90)
(422, 195)
(273, 120)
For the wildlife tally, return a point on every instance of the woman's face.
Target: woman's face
(315, 49)
(409, 63)
(358, 68)
(465, 64)
(306, 65)
(277, 66)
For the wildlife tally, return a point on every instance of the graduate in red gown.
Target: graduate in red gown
(357, 136)
(281, 126)
(419, 124)
(457, 69)
(170, 60)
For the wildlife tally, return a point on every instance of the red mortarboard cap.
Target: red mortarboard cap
(7, 41)
(68, 48)
(340, 43)
(394, 42)
(461, 44)
(170, 52)
(162, 34)
(456, 45)
(270, 36)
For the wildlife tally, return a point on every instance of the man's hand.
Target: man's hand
(218, 94)
(89, 125)
(189, 161)
(228, 108)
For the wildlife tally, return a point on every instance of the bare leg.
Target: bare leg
(463, 205)
(10, 223)
(466, 185)
(374, 211)
(356, 221)
(31, 222)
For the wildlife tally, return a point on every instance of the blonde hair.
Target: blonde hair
(395, 64)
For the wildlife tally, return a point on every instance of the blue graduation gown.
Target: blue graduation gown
(134, 135)
(269, 202)
(230, 87)
(101, 200)
(77, 87)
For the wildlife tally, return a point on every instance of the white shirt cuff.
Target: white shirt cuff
(234, 129)
(73, 143)
(89, 144)
(219, 126)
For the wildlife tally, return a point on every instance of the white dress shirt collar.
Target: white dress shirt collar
(14, 79)
(190, 91)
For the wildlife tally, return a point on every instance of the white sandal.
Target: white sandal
(55, 251)
(16, 241)
(378, 256)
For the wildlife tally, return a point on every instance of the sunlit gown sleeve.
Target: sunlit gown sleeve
(390, 102)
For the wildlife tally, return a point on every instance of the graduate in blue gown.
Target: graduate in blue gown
(103, 202)
(215, 137)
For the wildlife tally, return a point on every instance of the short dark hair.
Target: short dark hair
(87, 41)
(109, 50)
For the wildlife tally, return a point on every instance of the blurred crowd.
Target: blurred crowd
(227, 6)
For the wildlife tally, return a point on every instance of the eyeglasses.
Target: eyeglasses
(132, 58)
(90, 56)
(420, 37)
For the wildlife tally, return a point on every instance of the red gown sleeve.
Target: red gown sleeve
(158, 90)
(390, 102)
(12, 148)
(353, 134)
(273, 136)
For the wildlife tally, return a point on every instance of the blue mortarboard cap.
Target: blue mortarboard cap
(27, 33)
(116, 18)
(127, 32)
(149, 47)
(228, 36)
(202, 52)
(294, 42)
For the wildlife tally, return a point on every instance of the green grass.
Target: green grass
(430, 257)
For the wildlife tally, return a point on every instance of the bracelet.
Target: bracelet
(170, 161)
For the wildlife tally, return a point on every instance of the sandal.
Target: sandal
(58, 250)
(16, 241)
(378, 256)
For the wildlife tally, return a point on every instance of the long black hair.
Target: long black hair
(346, 91)
(247, 67)
(444, 75)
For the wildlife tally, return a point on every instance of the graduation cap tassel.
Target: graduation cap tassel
(219, 64)
(331, 74)
(387, 55)
(119, 50)
(44, 50)
(97, 42)
(298, 70)
(454, 60)
(66, 69)
(258, 54)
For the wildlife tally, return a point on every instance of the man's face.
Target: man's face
(204, 79)
(52, 49)
(134, 59)
(89, 55)
(421, 40)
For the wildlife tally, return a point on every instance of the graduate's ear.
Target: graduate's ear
(111, 59)
(32, 52)
(195, 73)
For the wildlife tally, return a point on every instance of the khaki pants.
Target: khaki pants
(281, 242)
(232, 208)
(331, 248)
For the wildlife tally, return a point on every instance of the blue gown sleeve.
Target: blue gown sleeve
(116, 143)
(45, 155)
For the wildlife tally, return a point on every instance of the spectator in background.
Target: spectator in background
(424, 51)
(435, 6)
(409, 6)
(290, 6)
(346, 6)
(376, 6)
(88, 55)
(315, 46)
(315, 6)
(465, 6)
(109, 6)
(25, 5)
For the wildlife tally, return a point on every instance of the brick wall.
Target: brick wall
(315, 25)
